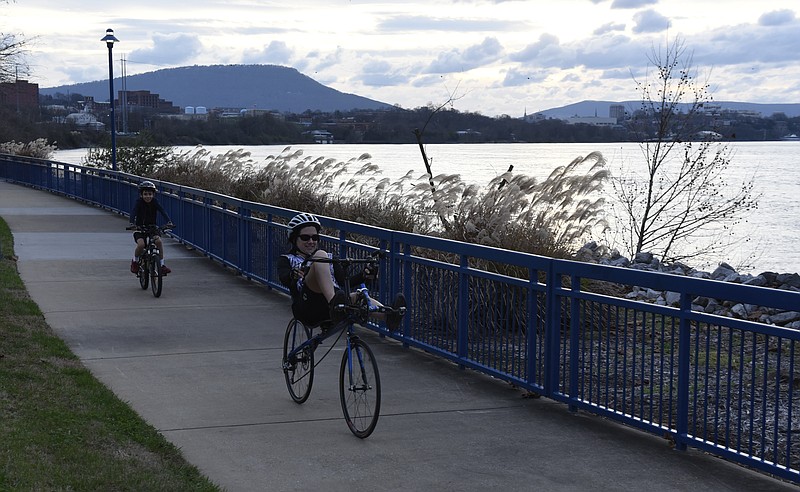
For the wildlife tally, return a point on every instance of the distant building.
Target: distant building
(616, 111)
(320, 136)
(533, 118)
(84, 119)
(145, 99)
(20, 95)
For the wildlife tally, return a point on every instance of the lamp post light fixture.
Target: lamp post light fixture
(110, 40)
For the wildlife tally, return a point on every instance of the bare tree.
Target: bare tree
(682, 194)
(12, 55)
(427, 161)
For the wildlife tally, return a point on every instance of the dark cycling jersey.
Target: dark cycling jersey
(146, 213)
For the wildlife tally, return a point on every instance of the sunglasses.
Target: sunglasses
(309, 237)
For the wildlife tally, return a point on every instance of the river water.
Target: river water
(766, 240)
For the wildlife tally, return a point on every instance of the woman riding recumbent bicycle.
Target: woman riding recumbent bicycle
(315, 279)
(318, 284)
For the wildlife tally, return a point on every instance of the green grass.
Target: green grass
(60, 428)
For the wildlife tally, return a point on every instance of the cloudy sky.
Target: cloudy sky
(494, 56)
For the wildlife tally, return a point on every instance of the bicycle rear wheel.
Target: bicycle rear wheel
(156, 280)
(360, 388)
(144, 274)
(299, 371)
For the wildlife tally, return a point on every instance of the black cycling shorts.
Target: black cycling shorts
(310, 307)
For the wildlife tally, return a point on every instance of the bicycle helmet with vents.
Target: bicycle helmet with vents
(299, 221)
(147, 185)
(303, 219)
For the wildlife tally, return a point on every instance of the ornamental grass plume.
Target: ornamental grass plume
(516, 212)
(513, 211)
(229, 173)
(39, 148)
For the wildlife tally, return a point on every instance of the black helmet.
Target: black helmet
(146, 185)
(299, 221)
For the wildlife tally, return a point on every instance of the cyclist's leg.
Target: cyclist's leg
(319, 277)
(160, 246)
(139, 245)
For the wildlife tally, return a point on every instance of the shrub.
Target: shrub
(38, 148)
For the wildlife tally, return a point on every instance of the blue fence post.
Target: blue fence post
(270, 242)
(463, 308)
(531, 326)
(245, 265)
(407, 285)
(552, 335)
(574, 342)
(684, 343)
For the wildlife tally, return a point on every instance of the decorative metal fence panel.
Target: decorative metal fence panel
(558, 328)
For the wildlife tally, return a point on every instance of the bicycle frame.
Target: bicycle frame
(330, 329)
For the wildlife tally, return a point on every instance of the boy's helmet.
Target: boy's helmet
(299, 221)
(146, 185)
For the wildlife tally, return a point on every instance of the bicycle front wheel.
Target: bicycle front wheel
(144, 274)
(156, 279)
(360, 388)
(298, 368)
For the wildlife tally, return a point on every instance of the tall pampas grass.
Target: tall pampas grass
(552, 217)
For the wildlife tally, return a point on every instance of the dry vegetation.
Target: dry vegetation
(552, 217)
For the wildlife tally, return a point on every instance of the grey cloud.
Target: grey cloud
(517, 77)
(619, 73)
(422, 23)
(382, 79)
(747, 45)
(546, 52)
(777, 18)
(632, 4)
(276, 52)
(330, 59)
(650, 21)
(168, 49)
(607, 28)
(475, 56)
(427, 80)
(610, 52)
(380, 73)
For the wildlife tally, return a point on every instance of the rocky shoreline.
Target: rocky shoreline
(594, 253)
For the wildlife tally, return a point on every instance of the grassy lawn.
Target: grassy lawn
(60, 428)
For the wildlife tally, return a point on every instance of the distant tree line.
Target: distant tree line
(391, 126)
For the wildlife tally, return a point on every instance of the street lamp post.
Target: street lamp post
(110, 40)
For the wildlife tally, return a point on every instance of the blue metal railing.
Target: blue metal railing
(559, 328)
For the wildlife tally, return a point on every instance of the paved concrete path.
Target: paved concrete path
(202, 365)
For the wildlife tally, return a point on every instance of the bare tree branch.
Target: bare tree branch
(682, 193)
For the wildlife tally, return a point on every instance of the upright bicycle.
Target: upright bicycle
(150, 260)
(359, 379)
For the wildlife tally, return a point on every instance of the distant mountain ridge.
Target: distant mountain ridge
(284, 89)
(269, 87)
(600, 108)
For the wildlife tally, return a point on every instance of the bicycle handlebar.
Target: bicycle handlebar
(376, 255)
(148, 228)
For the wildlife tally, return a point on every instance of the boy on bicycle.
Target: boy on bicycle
(316, 289)
(144, 213)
